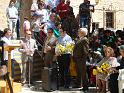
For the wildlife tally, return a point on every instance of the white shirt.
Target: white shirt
(65, 39)
(52, 3)
(44, 15)
(7, 42)
(34, 7)
(56, 2)
(49, 24)
(36, 24)
(113, 62)
(12, 12)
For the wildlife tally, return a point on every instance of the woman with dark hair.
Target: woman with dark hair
(108, 39)
(5, 31)
(49, 48)
(7, 34)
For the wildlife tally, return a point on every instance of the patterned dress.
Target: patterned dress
(109, 62)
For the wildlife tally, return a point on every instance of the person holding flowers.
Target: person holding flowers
(105, 68)
(49, 48)
(63, 57)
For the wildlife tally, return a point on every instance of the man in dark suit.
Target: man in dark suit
(80, 54)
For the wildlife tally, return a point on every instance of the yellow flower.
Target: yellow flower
(103, 68)
(60, 49)
(69, 47)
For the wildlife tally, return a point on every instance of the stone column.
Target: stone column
(24, 12)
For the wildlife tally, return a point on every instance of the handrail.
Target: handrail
(41, 45)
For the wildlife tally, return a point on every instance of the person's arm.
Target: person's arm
(80, 9)
(120, 67)
(16, 11)
(33, 7)
(7, 13)
(35, 46)
(58, 9)
(21, 49)
(33, 26)
(114, 62)
(92, 10)
(101, 62)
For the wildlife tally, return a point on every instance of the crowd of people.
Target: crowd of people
(54, 23)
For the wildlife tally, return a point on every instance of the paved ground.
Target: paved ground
(31, 90)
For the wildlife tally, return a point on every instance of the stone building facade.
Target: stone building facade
(108, 13)
(3, 21)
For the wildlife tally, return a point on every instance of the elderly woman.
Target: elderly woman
(104, 68)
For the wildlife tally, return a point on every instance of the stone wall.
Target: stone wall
(97, 16)
(3, 21)
(104, 5)
(109, 5)
(25, 12)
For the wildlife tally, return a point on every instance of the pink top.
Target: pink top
(26, 25)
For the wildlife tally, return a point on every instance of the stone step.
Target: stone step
(16, 87)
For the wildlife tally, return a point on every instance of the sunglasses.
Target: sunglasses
(50, 32)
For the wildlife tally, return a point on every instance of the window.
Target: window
(95, 25)
(109, 19)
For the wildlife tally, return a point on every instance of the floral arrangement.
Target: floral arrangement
(104, 68)
(61, 49)
(69, 47)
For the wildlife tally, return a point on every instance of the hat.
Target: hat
(84, 30)
(121, 48)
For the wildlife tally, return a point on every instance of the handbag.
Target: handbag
(72, 68)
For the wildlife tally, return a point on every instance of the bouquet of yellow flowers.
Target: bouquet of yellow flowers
(61, 49)
(69, 47)
(104, 68)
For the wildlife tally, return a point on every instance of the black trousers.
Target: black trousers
(113, 83)
(64, 74)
